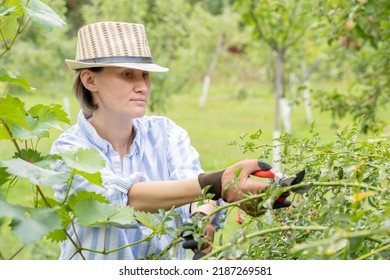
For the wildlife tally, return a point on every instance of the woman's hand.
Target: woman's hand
(237, 182)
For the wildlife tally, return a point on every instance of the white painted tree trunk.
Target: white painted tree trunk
(278, 97)
(277, 150)
(206, 85)
(66, 106)
(307, 102)
(285, 109)
(207, 77)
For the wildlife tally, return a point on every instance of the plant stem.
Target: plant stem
(260, 233)
(380, 249)
(10, 134)
(341, 184)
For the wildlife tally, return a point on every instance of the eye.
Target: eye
(127, 74)
(145, 75)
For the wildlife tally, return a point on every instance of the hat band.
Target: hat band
(119, 59)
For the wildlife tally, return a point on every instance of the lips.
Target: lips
(138, 100)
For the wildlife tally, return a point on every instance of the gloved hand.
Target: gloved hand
(221, 183)
(199, 248)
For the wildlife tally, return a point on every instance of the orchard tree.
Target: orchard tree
(358, 33)
(282, 25)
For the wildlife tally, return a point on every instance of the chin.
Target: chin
(138, 113)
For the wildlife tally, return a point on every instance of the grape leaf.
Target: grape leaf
(87, 160)
(40, 120)
(9, 20)
(51, 115)
(57, 235)
(4, 176)
(148, 219)
(36, 158)
(11, 78)
(91, 212)
(35, 174)
(37, 222)
(12, 111)
(43, 14)
(86, 195)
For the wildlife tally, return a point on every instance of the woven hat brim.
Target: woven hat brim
(150, 67)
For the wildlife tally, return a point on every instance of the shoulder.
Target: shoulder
(158, 123)
(73, 136)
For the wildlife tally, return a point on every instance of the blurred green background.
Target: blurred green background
(340, 55)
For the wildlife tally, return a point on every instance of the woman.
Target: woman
(150, 163)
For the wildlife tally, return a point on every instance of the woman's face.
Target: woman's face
(121, 92)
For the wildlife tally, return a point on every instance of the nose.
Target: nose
(142, 85)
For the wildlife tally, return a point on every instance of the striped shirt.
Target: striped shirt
(160, 151)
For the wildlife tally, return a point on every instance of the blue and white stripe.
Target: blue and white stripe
(161, 151)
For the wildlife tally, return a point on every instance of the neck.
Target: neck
(119, 133)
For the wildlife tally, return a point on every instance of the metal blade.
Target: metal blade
(299, 177)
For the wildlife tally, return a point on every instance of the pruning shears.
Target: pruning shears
(282, 180)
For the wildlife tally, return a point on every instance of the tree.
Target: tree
(358, 35)
(281, 25)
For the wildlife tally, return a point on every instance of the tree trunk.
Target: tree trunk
(306, 92)
(278, 95)
(207, 77)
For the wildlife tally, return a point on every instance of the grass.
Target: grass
(223, 119)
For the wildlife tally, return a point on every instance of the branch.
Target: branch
(274, 46)
(380, 249)
(260, 233)
(10, 134)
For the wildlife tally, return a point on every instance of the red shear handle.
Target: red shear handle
(281, 201)
(265, 174)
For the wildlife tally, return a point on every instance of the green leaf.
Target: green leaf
(95, 178)
(85, 195)
(57, 236)
(40, 120)
(91, 212)
(148, 219)
(4, 176)
(11, 78)
(86, 160)
(12, 111)
(9, 21)
(36, 158)
(34, 130)
(123, 217)
(30, 224)
(52, 115)
(35, 174)
(4, 135)
(43, 14)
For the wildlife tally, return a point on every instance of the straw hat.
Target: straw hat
(113, 44)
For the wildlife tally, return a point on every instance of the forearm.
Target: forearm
(151, 196)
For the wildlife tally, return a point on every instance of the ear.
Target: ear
(87, 77)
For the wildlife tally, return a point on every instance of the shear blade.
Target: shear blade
(298, 177)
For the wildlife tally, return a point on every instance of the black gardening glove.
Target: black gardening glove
(190, 243)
